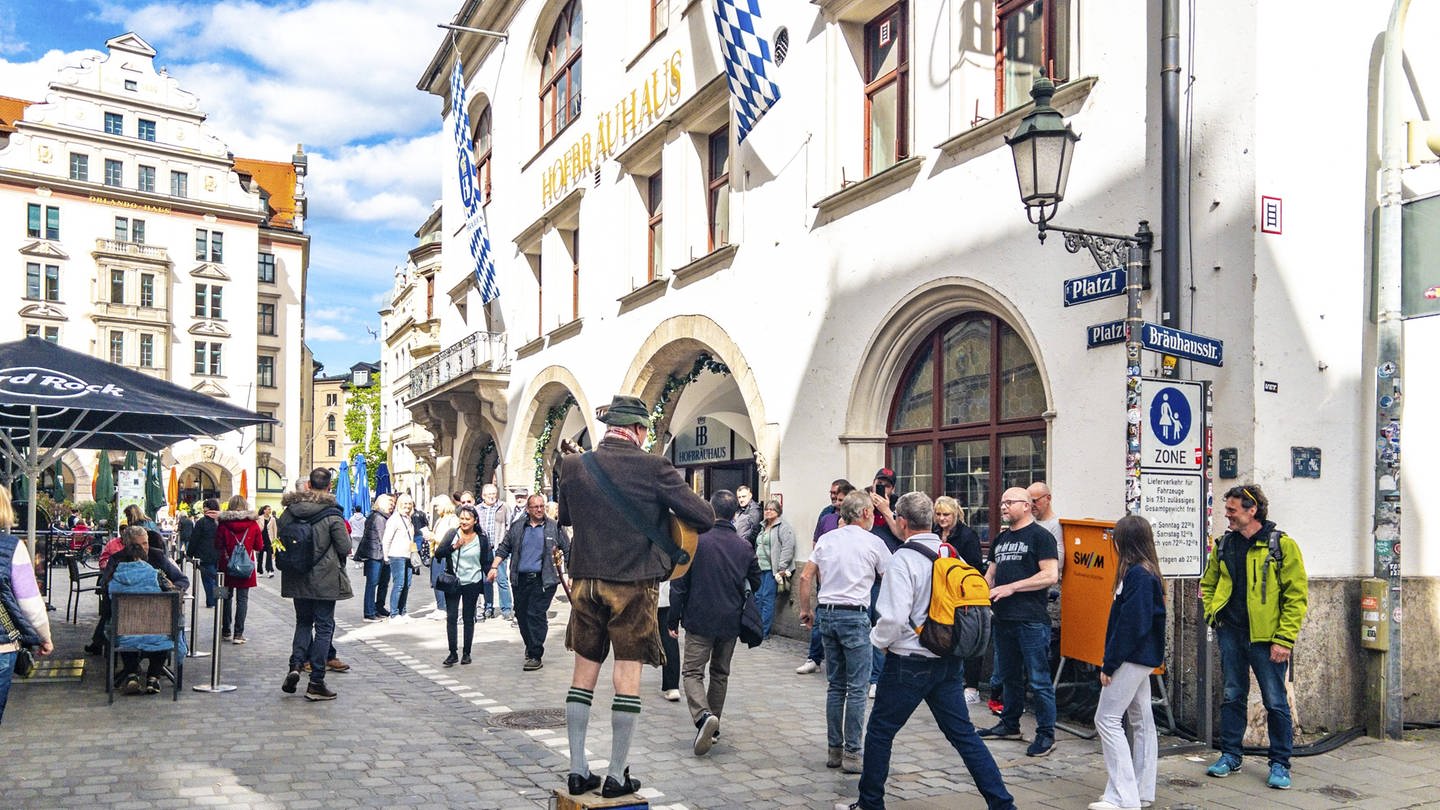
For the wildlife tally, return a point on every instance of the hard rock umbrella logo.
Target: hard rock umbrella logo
(45, 383)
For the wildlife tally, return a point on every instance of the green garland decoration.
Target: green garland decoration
(485, 454)
(553, 417)
(673, 385)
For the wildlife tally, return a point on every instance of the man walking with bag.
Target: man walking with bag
(316, 591)
(707, 601)
(913, 673)
(531, 544)
(616, 498)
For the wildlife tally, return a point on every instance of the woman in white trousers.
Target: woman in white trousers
(1134, 647)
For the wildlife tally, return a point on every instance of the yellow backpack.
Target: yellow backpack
(958, 621)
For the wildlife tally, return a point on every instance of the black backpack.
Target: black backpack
(295, 547)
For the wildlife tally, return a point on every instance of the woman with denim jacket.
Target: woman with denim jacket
(20, 599)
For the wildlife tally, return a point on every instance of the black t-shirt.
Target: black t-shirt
(1017, 554)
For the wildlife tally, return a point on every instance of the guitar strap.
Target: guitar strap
(677, 555)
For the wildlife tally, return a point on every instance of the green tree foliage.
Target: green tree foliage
(363, 403)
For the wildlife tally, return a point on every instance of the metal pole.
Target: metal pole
(1384, 717)
(1170, 163)
(215, 685)
(32, 471)
(1137, 259)
(194, 597)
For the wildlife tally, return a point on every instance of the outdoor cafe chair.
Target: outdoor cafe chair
(135, 614)
(77, 580)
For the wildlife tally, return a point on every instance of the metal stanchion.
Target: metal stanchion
(194, 597)
(215, 685)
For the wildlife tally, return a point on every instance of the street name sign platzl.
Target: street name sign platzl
(1201, 349)
(1107, 284)
(1104, 334)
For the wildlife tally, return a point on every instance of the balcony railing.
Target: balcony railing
(482, 351)
(137, 249)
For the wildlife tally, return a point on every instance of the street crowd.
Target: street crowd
(865, 594)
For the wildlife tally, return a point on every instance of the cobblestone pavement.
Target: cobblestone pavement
(407, 731)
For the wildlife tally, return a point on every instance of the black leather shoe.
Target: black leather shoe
(613, 789)
(465, 659)
(450, 660)
(583, 784)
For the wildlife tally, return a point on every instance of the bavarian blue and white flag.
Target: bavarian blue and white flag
(746, 55)
(475, 226)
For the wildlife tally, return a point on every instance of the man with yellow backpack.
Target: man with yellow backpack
(914, 671)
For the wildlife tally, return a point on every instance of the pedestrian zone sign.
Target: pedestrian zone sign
(1173, 438)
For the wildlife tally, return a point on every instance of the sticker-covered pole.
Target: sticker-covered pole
(1137, 260)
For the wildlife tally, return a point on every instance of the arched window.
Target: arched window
(330, 422)
(267, 480)
(560, 74)
(966, 420)
(480, 138)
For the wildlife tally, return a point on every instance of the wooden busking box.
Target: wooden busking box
(561, 799)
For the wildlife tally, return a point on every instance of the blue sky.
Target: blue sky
(336, 75)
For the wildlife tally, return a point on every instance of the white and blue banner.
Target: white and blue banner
(470, 189)
(746, 55)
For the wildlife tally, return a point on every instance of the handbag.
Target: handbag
(752, 631)
(446, 582)
(24, 663)
(24, 659)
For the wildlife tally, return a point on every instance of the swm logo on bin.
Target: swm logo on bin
(44, 383)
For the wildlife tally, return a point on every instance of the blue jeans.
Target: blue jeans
(208, 573)
(817, 649)
(7, 671)
(846, 636)
(372, 582)
(501, 584)
(437, 567)
(937, 681)
(314, 630)
(765, 600)
(1023, 649)
(1237, 657)
(399, 581)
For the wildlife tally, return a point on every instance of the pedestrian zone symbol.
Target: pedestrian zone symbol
(1170, 416)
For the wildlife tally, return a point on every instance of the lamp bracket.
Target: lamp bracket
(1107, 249)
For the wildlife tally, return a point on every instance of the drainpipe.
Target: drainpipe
(1170, 162)
(1384, 709)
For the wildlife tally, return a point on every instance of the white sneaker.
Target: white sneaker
(807, 667)
(1104, 805)
(872, 691)
(972, 696)
(672, 695)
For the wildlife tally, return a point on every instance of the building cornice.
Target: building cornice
(125, 143)
(128, 198)
(127, 102)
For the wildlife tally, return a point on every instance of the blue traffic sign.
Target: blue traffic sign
(1107, 284)
(1201, 349)
(1103, 334)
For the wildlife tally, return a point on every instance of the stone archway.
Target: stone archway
(675, 343)
(917, 314)
(547, 389)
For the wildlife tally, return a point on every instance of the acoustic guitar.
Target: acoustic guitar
(680, 532)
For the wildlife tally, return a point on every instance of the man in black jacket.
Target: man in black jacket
(201, 548)
(748, 519)
(532, 543)
(707, 601)
(316, 591)
(616, 570)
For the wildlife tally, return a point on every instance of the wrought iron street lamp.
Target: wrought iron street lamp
(1043, 147)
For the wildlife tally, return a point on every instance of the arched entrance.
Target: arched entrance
(204, 480)
(710, 419)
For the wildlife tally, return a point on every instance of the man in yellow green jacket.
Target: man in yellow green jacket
(1255, 593)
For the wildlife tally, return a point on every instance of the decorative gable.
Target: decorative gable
(44, 250)
(210, 271)
(130, 42)
(43, 310)
(212, 388)
(210, 329)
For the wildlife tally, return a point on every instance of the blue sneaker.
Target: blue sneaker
(1224, 766)
(1279, 777)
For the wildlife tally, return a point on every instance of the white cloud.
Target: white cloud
(324, 331)
(332, 314)
(394, 181)
(31, 80)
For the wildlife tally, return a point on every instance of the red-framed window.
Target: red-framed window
(887, 86)
(481, 140)
(717, 187)
(560, 74)
(967, 419)
(575, 275)
(1029, 35)
(654, 203)
(659, 17)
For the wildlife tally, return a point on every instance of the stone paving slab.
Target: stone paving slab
(407, 731)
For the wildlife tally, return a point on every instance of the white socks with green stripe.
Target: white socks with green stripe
(577, 723)
(624, 715)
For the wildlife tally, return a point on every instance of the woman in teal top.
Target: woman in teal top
(467, 553)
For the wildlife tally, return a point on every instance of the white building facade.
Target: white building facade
(147, 244)
(856, 285)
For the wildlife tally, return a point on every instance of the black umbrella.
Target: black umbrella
(55, 398)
